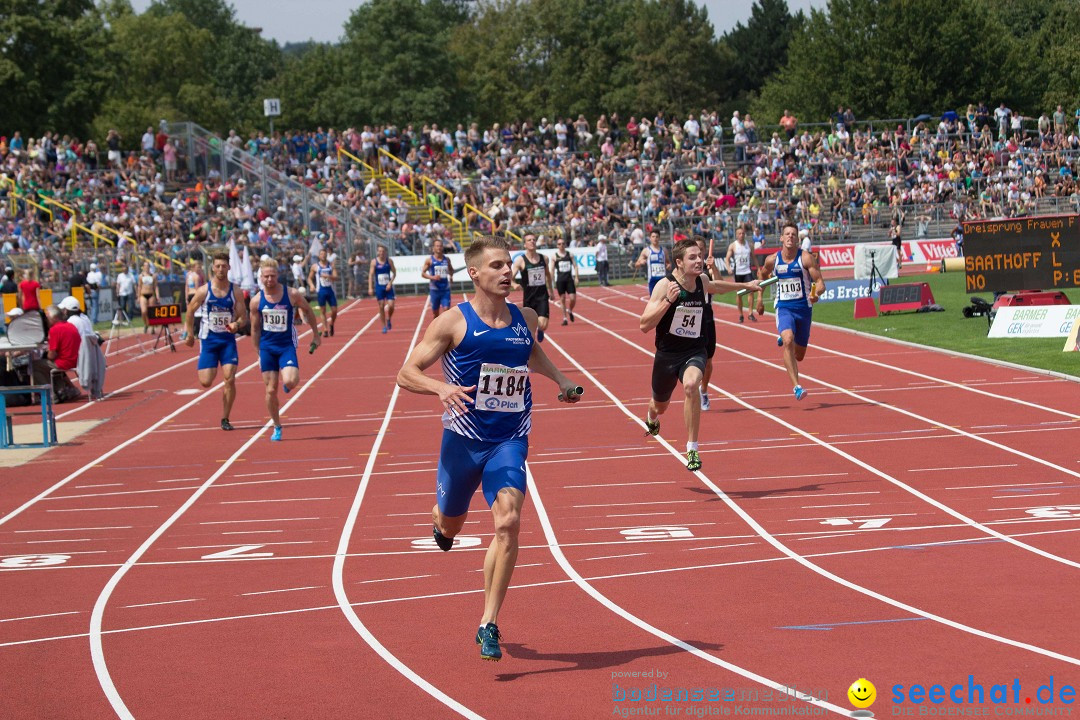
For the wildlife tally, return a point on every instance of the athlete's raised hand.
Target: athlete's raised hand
(455, 398)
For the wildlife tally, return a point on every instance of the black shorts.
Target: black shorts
(668, 369)
(744, 278)
(565, 286)
(539, 304)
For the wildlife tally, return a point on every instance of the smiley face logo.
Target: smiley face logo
(862, 693)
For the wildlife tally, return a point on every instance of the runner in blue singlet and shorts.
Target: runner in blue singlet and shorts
(655, 260)
(487, 349)
(220, 305)
(321, 278)
(381, 285)
(798, 287)
(274, 335)
(438, 270)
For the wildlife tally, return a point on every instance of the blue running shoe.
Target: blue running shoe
(779, 341)
(489, 642)
(276, 436)
(389, 326)
(384, 329)
(799, 392)
(539, 336)
(285, 388)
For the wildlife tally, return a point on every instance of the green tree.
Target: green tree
(398, 67)
(759, 48)
(51, 75)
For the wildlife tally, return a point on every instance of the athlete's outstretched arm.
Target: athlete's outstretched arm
(189, 319)
(722, 286)
(663, 295)
(539, 362)
(241, 317)
(810, 263)
(438, 340)
(256, 321)
(299, 301)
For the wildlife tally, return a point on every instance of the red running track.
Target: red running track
(910, 522)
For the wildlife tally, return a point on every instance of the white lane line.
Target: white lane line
(961, 467)
(95, 509)
(784, 549)
(403, 577)
(56, 540)
(861, 516)
(251, 532)
(1001, 485)
(271, 472)
(649, 514)
(247, 502)
(596, 485)
(105, 456)
(788, 477)
(85, 487)
(232, 545)
(341, 467)
(35, 617)
(820, 507)
(717, 547)
(83, 529)
(866, 466)
(613, 557)
(194, 479)
(1025, 495)
(159, 373)
(415, 462)
(283, 590)
(817, 495)
(577, 579)
(97, 650)
(625, 504)
(343, 548)
(233, 522)
(116, 493)
(163, 602)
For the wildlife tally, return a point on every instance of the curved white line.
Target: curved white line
(765, 535)
(104, 456)
(342, 552)
(97, 651)
(870, 468)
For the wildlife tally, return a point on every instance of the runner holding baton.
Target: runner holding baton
(572, 392)
(764, 283)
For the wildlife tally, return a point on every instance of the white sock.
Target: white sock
(691, 446)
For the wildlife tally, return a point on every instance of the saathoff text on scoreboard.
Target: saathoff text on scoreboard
(1022, 254)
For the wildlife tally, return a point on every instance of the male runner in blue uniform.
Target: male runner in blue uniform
(676, 310)
(274, 335)
(798, 287)
(381, 285)
(439, 271)
(223, 314)
(487, 349)
(655, 260)
(321, 279)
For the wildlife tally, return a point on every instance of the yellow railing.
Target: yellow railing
(395, 159)
(342, 151)
(119, 235)
(427, 185)
(95, 235)
(477, 211)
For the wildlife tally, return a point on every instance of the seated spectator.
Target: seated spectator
(63, 355)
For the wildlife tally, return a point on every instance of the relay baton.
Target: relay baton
(763, 283)
(311, 349)
(576, 391)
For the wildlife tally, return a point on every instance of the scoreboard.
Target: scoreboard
(1033, 253)
(165, 314)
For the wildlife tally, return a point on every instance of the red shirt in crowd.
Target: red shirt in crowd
(64, 340)
(29, 289)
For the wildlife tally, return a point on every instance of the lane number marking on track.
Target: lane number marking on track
(655, 532)
(33, 560)
(1056, 511)
(242, 551)
(863, 524)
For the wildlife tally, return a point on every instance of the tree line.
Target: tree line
(80, 67)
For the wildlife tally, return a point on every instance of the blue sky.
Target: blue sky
(322, 20)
